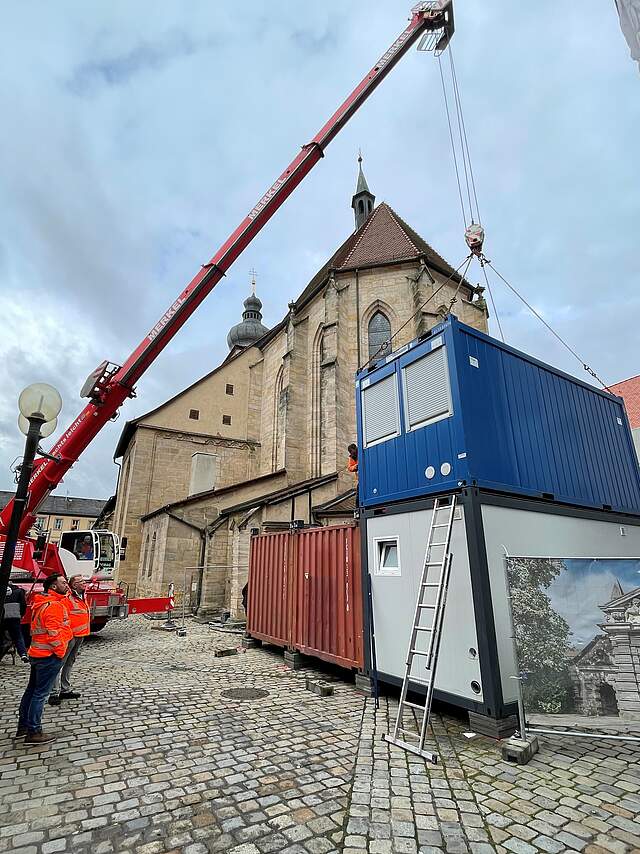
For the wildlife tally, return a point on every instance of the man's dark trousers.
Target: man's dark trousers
(14, 630)
(41, 679)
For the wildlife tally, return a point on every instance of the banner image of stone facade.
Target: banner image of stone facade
(577, 635)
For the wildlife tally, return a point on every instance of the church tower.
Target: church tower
(363, 199)
(247, 332)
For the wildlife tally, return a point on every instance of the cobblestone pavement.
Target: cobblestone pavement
(155, 759)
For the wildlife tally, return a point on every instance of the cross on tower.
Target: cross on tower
(253, 273)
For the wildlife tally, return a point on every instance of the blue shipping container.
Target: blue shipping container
(459, 407)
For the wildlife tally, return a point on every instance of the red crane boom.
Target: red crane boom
(109, 386)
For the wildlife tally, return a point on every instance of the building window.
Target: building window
(427, 395)
(40, 522)
(194, 414)
(387, 556)
(75, 524)
(58, 524)
(380, 413)
(226, 419)
(229, 388)
(379, 332)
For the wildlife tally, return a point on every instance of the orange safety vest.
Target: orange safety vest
(78, 615)
(352, 466)
(50, 627)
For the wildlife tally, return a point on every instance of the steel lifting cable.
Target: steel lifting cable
(463, 130)
(454, 298)
(386, 344)
(493, 303)
(453, 145)
(587, 368)
(456, 97)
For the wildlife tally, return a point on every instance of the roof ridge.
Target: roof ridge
(402, 225)
(628, 380)
(365, 228)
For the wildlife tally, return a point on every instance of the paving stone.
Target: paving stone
(545, 843)
(189, 772)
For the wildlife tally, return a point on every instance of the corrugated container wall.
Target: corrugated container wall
(460, 408)
(305, 592)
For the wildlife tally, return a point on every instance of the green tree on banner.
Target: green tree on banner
(542, 635)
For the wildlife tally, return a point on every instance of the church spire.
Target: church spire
(363, 199)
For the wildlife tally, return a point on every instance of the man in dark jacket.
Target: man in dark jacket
(14, 608)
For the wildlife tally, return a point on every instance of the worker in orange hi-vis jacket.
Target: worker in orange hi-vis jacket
(352, 465)
(80, 626)
(50, 636)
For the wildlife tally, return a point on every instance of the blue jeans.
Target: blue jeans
(41, 679)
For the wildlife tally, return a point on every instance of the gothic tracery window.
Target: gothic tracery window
(379, 333)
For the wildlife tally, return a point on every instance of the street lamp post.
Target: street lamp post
(39, 406)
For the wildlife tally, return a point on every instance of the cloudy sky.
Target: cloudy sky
(578, 593)
(136, 136)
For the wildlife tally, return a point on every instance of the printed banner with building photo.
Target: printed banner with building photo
(577, 631)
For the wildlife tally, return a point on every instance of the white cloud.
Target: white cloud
(138, 137)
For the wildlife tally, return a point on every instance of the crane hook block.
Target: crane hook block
(474, 235)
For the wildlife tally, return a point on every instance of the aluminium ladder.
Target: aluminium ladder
(427, 621)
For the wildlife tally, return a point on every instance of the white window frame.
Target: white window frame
(364, 417)
(393, 572)
(433, 420)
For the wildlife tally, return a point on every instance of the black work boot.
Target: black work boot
(55, 700)
(39, 738)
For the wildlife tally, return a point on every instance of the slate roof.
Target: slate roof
(629, 391)
(341, 505)
(60, 505)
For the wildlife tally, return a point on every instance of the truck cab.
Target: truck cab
(90, 553)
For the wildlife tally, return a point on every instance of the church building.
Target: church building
(262, 439)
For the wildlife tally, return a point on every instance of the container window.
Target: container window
(427, 393)
(387, 556)
(380, 415)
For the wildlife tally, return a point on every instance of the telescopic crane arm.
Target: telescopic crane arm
(110, 385)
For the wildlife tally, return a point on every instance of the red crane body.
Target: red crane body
(109, 388)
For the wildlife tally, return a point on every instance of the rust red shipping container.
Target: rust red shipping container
(305, 592)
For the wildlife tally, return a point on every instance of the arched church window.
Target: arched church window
(361, 206)
(379, 332)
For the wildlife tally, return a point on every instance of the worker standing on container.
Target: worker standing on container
(80, 626)
(15, 606)
(50, 636)
(352, 466)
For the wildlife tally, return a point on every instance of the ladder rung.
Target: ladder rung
(427, 606)
(414, 706)
(420, 652)
(430, 584)
(425, 754)
(418, 680)
(423, 628)
(434, 563)
(441, 525)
